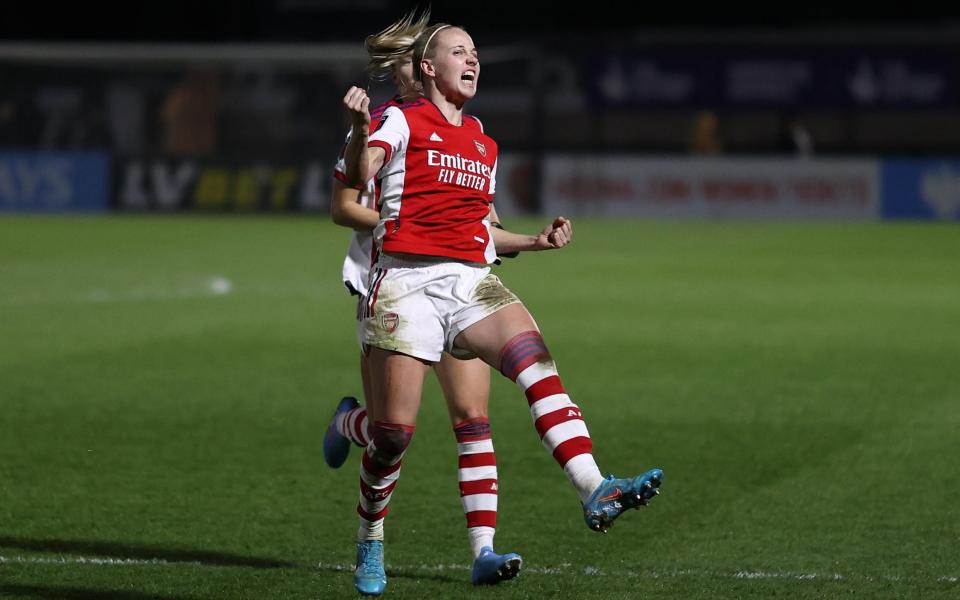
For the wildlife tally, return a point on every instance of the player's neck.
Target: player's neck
(451, 111)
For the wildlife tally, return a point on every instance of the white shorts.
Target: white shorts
(419, 306)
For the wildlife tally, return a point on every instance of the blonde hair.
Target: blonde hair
(387, 48)
(421, 48)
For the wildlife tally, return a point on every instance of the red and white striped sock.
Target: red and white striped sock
(353, 425)
(478, 481)
(525, 360)
(379, 473)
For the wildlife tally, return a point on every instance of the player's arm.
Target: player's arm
(493, 216)
(557, 234)
(345, 209)
(361, 161)
(494, 219)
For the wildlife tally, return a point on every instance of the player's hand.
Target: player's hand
(555, 235)
(357, 104)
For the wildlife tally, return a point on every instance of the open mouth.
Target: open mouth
(469, 77)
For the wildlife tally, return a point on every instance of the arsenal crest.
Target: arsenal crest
(481, 148)
(390, 321)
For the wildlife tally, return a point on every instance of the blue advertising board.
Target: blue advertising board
(920, 189)
(54, 181)
(784, 78)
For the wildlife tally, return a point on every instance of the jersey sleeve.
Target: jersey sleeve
(391, 133)
(493, 179)
(478, 121)
(340, 169)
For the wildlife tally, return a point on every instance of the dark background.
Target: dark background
(179, 90)
(495, 20)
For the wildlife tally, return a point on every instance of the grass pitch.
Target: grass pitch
(165, 384)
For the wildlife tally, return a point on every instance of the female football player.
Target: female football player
(431, 289)
(465, 383)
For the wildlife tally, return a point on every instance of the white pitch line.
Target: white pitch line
(208, 286)
(570, 569)
(766, 575)
(92, 560)
(562, 569)
(212, 286)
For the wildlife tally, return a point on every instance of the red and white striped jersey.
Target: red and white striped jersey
(436, 185)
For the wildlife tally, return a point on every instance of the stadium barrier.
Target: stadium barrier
(610, 186)
(171, 185)
(54, 181)
(921, 189)
(730, 188)
(722, 188)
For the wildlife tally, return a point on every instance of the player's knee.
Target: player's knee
(390, 440)
(523, 350)
(473, 428)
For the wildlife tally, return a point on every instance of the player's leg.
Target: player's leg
(354, 424)
(466, 387)
(339, 434)
(510, 340)
(396, 383)
(349, 423)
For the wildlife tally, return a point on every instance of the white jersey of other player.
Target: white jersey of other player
(356, 265)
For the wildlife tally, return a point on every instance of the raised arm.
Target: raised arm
(362, 162)
(557, 234)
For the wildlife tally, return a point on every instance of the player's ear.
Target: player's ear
(426, 66)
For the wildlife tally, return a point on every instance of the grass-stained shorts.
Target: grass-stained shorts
(418, 306)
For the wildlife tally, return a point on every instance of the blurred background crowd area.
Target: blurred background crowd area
(261, 82)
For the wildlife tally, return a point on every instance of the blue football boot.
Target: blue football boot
(336, 447)
(369, 577)
(491, 568)
(613, 496)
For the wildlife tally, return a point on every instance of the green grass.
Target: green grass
(798, 383)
